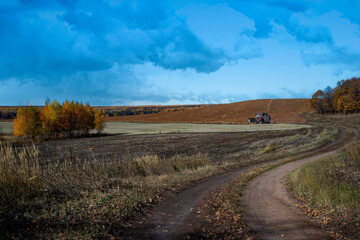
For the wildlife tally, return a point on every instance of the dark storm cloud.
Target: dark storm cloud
(59, 38)
(44, 37)
(86, 48)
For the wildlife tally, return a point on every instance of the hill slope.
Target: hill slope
(281, 111)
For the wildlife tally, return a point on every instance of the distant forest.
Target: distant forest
(9, 112)
(344, 98)
(139, 110)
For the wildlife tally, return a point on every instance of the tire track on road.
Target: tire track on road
(269, 211)
(168, 219)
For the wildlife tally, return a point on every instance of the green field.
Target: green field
(151, 128)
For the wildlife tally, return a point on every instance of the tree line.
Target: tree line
(55, 120)
(344, 98)
(116, 111)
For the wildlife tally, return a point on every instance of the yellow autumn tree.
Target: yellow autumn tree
(27, 122)
(19, 123)
(344, 98)
(50, 118)
(99, 121)
(67, 118)
(89, 118)
(55, 119)
(79, 117)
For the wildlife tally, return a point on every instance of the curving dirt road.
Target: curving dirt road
(268, 209)
(168, 220)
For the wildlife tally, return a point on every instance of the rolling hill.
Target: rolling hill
(281, 111)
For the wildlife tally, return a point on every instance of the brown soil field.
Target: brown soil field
(281, 111)
(220, 147)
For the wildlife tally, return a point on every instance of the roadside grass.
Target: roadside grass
(332, 185)
(89, 198)
(278, 148)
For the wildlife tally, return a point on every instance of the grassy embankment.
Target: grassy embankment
(329, 190)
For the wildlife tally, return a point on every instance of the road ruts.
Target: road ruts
(270, 212)
(169, 219)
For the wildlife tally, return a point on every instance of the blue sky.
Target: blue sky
(123, 52)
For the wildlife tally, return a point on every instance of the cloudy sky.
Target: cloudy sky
(132, 52)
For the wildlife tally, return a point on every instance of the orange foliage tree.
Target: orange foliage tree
(344, 98)
(69, 119)
(99, 121)
(27, 122)
(50, 117)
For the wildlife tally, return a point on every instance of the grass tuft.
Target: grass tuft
(270, 147)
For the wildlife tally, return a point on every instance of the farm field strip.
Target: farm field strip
(6, 127)
(155, 128)
(281, 111)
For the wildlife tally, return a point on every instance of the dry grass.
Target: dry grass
(84, 198)
(278, 148)
(20, 174)
(332, 185)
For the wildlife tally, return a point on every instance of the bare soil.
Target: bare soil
(219, 146)
(281, 111)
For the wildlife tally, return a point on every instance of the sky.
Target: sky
(146, 52)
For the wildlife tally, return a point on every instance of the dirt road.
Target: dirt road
(168, 220)
(268, 209)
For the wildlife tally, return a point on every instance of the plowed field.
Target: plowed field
(281, 111)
